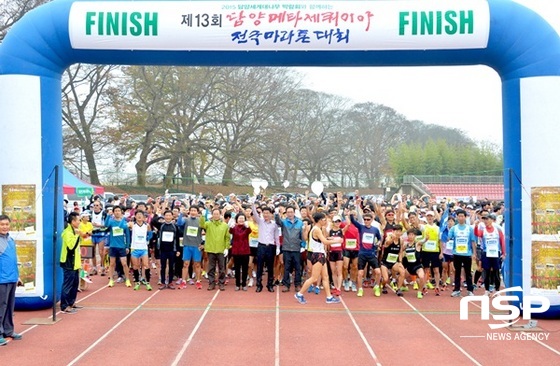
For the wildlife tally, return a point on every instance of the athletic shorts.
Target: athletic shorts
(192, 253)
(367, 259)
(138, 253)
(448, 258)
(430, 259)
(352, 254)
(317, 257)
(388, 265)
(117, 252)
(253, 252)
(413, 268)
(335, 256)
(488, 263)
(99, 238)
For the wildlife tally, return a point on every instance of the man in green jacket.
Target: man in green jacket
(71, 263)
(216, 245)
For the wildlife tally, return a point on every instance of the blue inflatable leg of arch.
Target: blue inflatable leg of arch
(247, 33)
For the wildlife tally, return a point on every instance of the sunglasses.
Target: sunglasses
(367, 219)
(484, 217)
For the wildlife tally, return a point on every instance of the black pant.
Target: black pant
(265, 255)
(241, 266)
(70, 284)
(292, 262)
(213, 260)
(7, 304)
(167, 256)
(460, 261)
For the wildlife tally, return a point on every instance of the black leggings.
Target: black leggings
(241, 267)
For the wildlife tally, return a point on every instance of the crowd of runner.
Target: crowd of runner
(333, 243)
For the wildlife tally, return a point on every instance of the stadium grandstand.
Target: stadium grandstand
(466, 188)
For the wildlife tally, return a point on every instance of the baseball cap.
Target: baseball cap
(336, 218)
(430, 213)
(85, 213)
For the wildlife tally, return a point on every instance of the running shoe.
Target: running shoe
(429, 285)
(198, 285)
(120, 280)
(437, 291)
(336, 292)
(346, 286)
(394, 286)
(377, 291)
(299, 297)
(448, 281)
(69, 310)
(456, 294)
(333, 300)
(425, 291)
(399, 293)
(171, 286)
(354, 288)
(237, 288)
(311, 289)
(317, 290)
(182, 285)
(143, 281)
(404, 288)
(191, 282)
(128, 284)
(137, 286)
(111, 283)
(360, 292)
(148, 287)
(251, 282)
(415, 285)
(179, 281)
(244, 288)
(384, 291)
(3, 341)
(419, 295)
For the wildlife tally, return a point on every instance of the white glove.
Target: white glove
(301, 250)
(226, 251)
(246, 224)
(278, 250)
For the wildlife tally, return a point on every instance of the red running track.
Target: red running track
(186, 327)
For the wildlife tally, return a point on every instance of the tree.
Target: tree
(84, 110)
(13, 10)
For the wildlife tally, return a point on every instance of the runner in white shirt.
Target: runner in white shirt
(139, 249)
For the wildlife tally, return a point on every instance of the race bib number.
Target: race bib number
(430, 246)
(367, 238)
(411, 257)
(336, 245)
(462, 246)
(118, 231)
(167, 236)
(351, 243)
(140, 239)
(254, 243)
(180, 242)
(192, 231)
(449, 245)
(392, 258)
(492, 248)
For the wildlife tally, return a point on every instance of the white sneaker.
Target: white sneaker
(179, 281)
(354, 289)
(251, 282)
(346, 286)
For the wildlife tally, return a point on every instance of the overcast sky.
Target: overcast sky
(464, 97)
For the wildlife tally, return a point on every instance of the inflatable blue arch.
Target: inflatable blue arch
(511, 39)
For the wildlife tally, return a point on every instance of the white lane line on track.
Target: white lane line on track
(277, 332)
(191, 336)
(536, 340)
(442, 333)
(59, 312)
(111, 330)
(362, 336)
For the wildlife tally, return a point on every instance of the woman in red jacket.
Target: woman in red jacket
(240, 250)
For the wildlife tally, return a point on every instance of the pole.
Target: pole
(510, 229)
(55, 237)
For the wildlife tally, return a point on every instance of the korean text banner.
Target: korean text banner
(279, 25)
